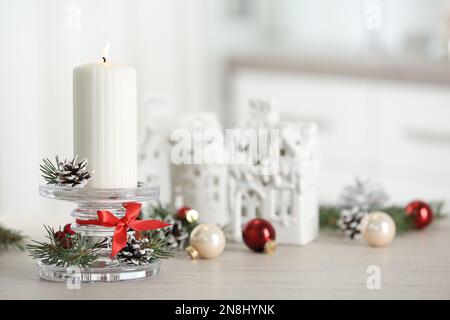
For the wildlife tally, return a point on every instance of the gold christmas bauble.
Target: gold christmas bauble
(192, 216)
(378, 229)
(207, 241)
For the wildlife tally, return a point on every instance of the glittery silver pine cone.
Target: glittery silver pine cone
(364, 194)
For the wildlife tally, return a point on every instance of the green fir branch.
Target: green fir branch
(159, 210)
(159, 243)
(49, 170)
(328, 216)
(11, 238)
(81, 252)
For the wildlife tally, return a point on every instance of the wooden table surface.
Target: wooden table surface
(416, 265)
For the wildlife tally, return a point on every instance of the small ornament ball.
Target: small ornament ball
(63, 239)
(378, 229)
(259, 235)
(207, 241)
(68, 229)
(420, 212)
(187, 213)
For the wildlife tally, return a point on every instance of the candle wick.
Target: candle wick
(104, 59)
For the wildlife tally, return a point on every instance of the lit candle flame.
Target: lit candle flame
(105, 52)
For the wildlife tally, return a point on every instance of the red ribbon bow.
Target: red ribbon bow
(107, 219)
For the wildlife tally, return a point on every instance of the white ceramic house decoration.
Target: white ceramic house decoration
(288, 197)
(201, 186)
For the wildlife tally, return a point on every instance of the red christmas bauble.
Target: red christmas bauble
(68, 230)
(63, 239)
(259, 235)
(59, 235)
(420, 212)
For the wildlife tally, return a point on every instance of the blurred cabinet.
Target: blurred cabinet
(392, 131)
(414, 140)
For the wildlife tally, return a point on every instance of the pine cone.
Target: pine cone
(364, 194)
(136, 252)
(66, 173)
(350, 222)
(178, 235)
(72, 173)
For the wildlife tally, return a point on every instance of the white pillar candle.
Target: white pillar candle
(105, 123)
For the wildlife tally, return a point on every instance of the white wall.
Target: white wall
(41, 44)
(22, 100)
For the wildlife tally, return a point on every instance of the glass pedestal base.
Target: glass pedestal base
(89, 202)
(116, 273)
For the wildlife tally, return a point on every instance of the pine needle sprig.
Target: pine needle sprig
(11, 238)
(161, 211)
(329, 216)
(158, 241)
(49, 170)
(81, 252)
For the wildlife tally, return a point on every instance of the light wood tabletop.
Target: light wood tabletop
(415, 265)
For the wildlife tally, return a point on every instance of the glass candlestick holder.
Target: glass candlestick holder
(103, 269)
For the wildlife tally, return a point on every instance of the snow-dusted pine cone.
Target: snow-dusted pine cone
(364, 194)
(178, 235)
(136, 252)
(66, 173)
(350, 222)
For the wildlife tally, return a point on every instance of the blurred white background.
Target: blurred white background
(374, 74)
